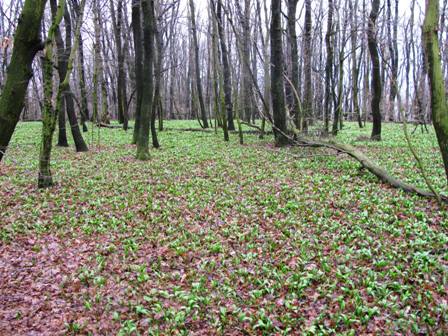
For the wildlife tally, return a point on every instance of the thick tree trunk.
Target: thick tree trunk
(376, 71)
(277, 84)
(439, 104)
(26, 44)
(148, 85)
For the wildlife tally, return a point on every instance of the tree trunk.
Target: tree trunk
(147, 77)
(137, 33)
(292, 36)
(355, 66)
(439, 104)
(63, 53)
(393, 50)
(26, 44)
(226, 69)
(307, 56)
(246, 83)
(117, 21)
(329, 66)
(376, 71)
(277, 85)
(82, 76)
(62, 68)
(50, 114)
(158, 78)
(197, 67)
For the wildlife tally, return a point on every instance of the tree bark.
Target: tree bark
(226, 68)
(147, 77)
(157, 100)
(292, 37)
(63, 54)
(376, 71)
(196, 64)
(50, 114)
(355, 66)
(26, 44)
(117, 21)
(85, 114)
(329, 41)
(307, 59)
(137, 33)
(439, 104)
(277, 84)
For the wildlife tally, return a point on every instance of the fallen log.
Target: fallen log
(371, 166)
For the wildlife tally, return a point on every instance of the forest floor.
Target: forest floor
(212, 238)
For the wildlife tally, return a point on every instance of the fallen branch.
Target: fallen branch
(252, 126)
(104, 125)
(208, 130)
(371, 166)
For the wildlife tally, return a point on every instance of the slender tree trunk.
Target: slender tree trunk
(226, 68)
(292, 36)
(117, 21)
(218, 82)
(246, 82)
(62, 69)
(137, 33)
(355, 66)
(376, 71)
(50, 114)
(439, 104)
(197, 67)
(63, 54)
(82, 75)
(158, 78)
(307, 57)
(329, 66)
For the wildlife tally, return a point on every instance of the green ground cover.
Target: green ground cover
(213, 238)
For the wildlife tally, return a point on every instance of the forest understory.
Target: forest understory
(212, 238)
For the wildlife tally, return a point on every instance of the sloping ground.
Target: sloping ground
(209, 238)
